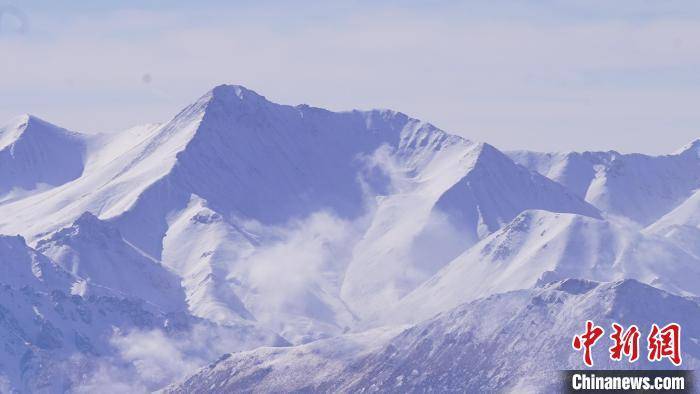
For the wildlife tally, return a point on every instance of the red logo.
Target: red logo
(586, 341)
(661, 342)
(665, 343)
(626, 343)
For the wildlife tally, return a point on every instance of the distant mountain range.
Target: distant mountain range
(365, 250)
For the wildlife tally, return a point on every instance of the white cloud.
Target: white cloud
(158, 359)
(109, 378)
(5, 385)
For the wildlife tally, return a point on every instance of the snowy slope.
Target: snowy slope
(96, 252)
(437, 213)
(681, 226)
(253, 159)
(271, 176)
(21, 266)
(49, 339)
(574, 170)
(199, 247)
(336, 162)
(510, 342)
(284, 279)
(275, 223)
(116, 173)
(639, 187)
(35, 154)
(57, 329)
(296, 159)
(56, 342)
(289, 369)
(540, 247)
(685, 214)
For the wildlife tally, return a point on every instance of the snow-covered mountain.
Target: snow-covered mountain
(685, 214)
(35, 154)
(539, 247)
(241, 222)
(451, 207)
(510, 342)
(257, 168)
(23, 266)
(96, 252)
(639, 187)
(58, 327)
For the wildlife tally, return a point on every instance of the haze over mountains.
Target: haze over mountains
(241, 223)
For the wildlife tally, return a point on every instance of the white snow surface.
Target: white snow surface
(510, 342)
(241, 222)
(638, 187)
(539, 247)
(35, 154)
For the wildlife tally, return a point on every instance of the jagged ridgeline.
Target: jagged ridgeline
(243, 223)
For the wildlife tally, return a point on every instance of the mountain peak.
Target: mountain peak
(34, 152)
(27, 123)
(238, 90)
(87, 226)
(31, 119)
(27, 120)
(87, 219)
(223, 100)
(10, 132)
(573, 285)
(229, 94)
(691, 148)
(487, 152)
(22, 119)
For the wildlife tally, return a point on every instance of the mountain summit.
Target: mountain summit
(405, 187)
(241, 222)
(36, 154)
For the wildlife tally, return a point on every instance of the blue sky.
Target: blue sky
(544, 75)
